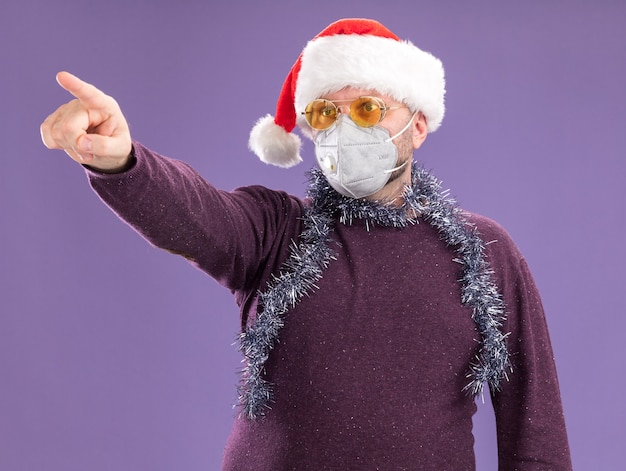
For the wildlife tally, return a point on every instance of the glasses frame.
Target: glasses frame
(335, 105)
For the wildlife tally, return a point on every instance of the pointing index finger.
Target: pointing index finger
(85, 92)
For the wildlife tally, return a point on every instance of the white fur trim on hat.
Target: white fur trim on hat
(273, 144)
(394, 68)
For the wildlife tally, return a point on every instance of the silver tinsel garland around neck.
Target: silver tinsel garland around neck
(311, 255)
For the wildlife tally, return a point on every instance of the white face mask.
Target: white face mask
(357, 161)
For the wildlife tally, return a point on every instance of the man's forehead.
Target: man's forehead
(350, 93)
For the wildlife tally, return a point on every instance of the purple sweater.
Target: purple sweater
(369, 370)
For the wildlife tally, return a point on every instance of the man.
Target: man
(373, 312)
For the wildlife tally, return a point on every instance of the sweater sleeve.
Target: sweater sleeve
(232, 236)
(529, 415)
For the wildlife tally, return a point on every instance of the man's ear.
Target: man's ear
(420, 130)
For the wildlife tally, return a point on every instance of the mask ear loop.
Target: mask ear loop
(408, 125)
(403, 130)
(397, 168)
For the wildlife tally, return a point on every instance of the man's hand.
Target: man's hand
(91, 129)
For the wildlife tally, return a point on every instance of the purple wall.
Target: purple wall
(114, 355)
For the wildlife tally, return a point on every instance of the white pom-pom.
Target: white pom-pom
(273, 145)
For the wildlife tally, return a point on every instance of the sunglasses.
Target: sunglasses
(365, 111)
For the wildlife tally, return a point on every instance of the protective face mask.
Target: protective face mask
(357, 161)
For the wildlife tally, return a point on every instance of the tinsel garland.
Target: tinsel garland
(311, 255)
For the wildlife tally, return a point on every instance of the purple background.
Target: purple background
(114, 355)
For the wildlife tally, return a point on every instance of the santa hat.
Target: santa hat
(357, 53)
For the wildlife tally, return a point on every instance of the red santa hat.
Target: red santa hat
(357, 53)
